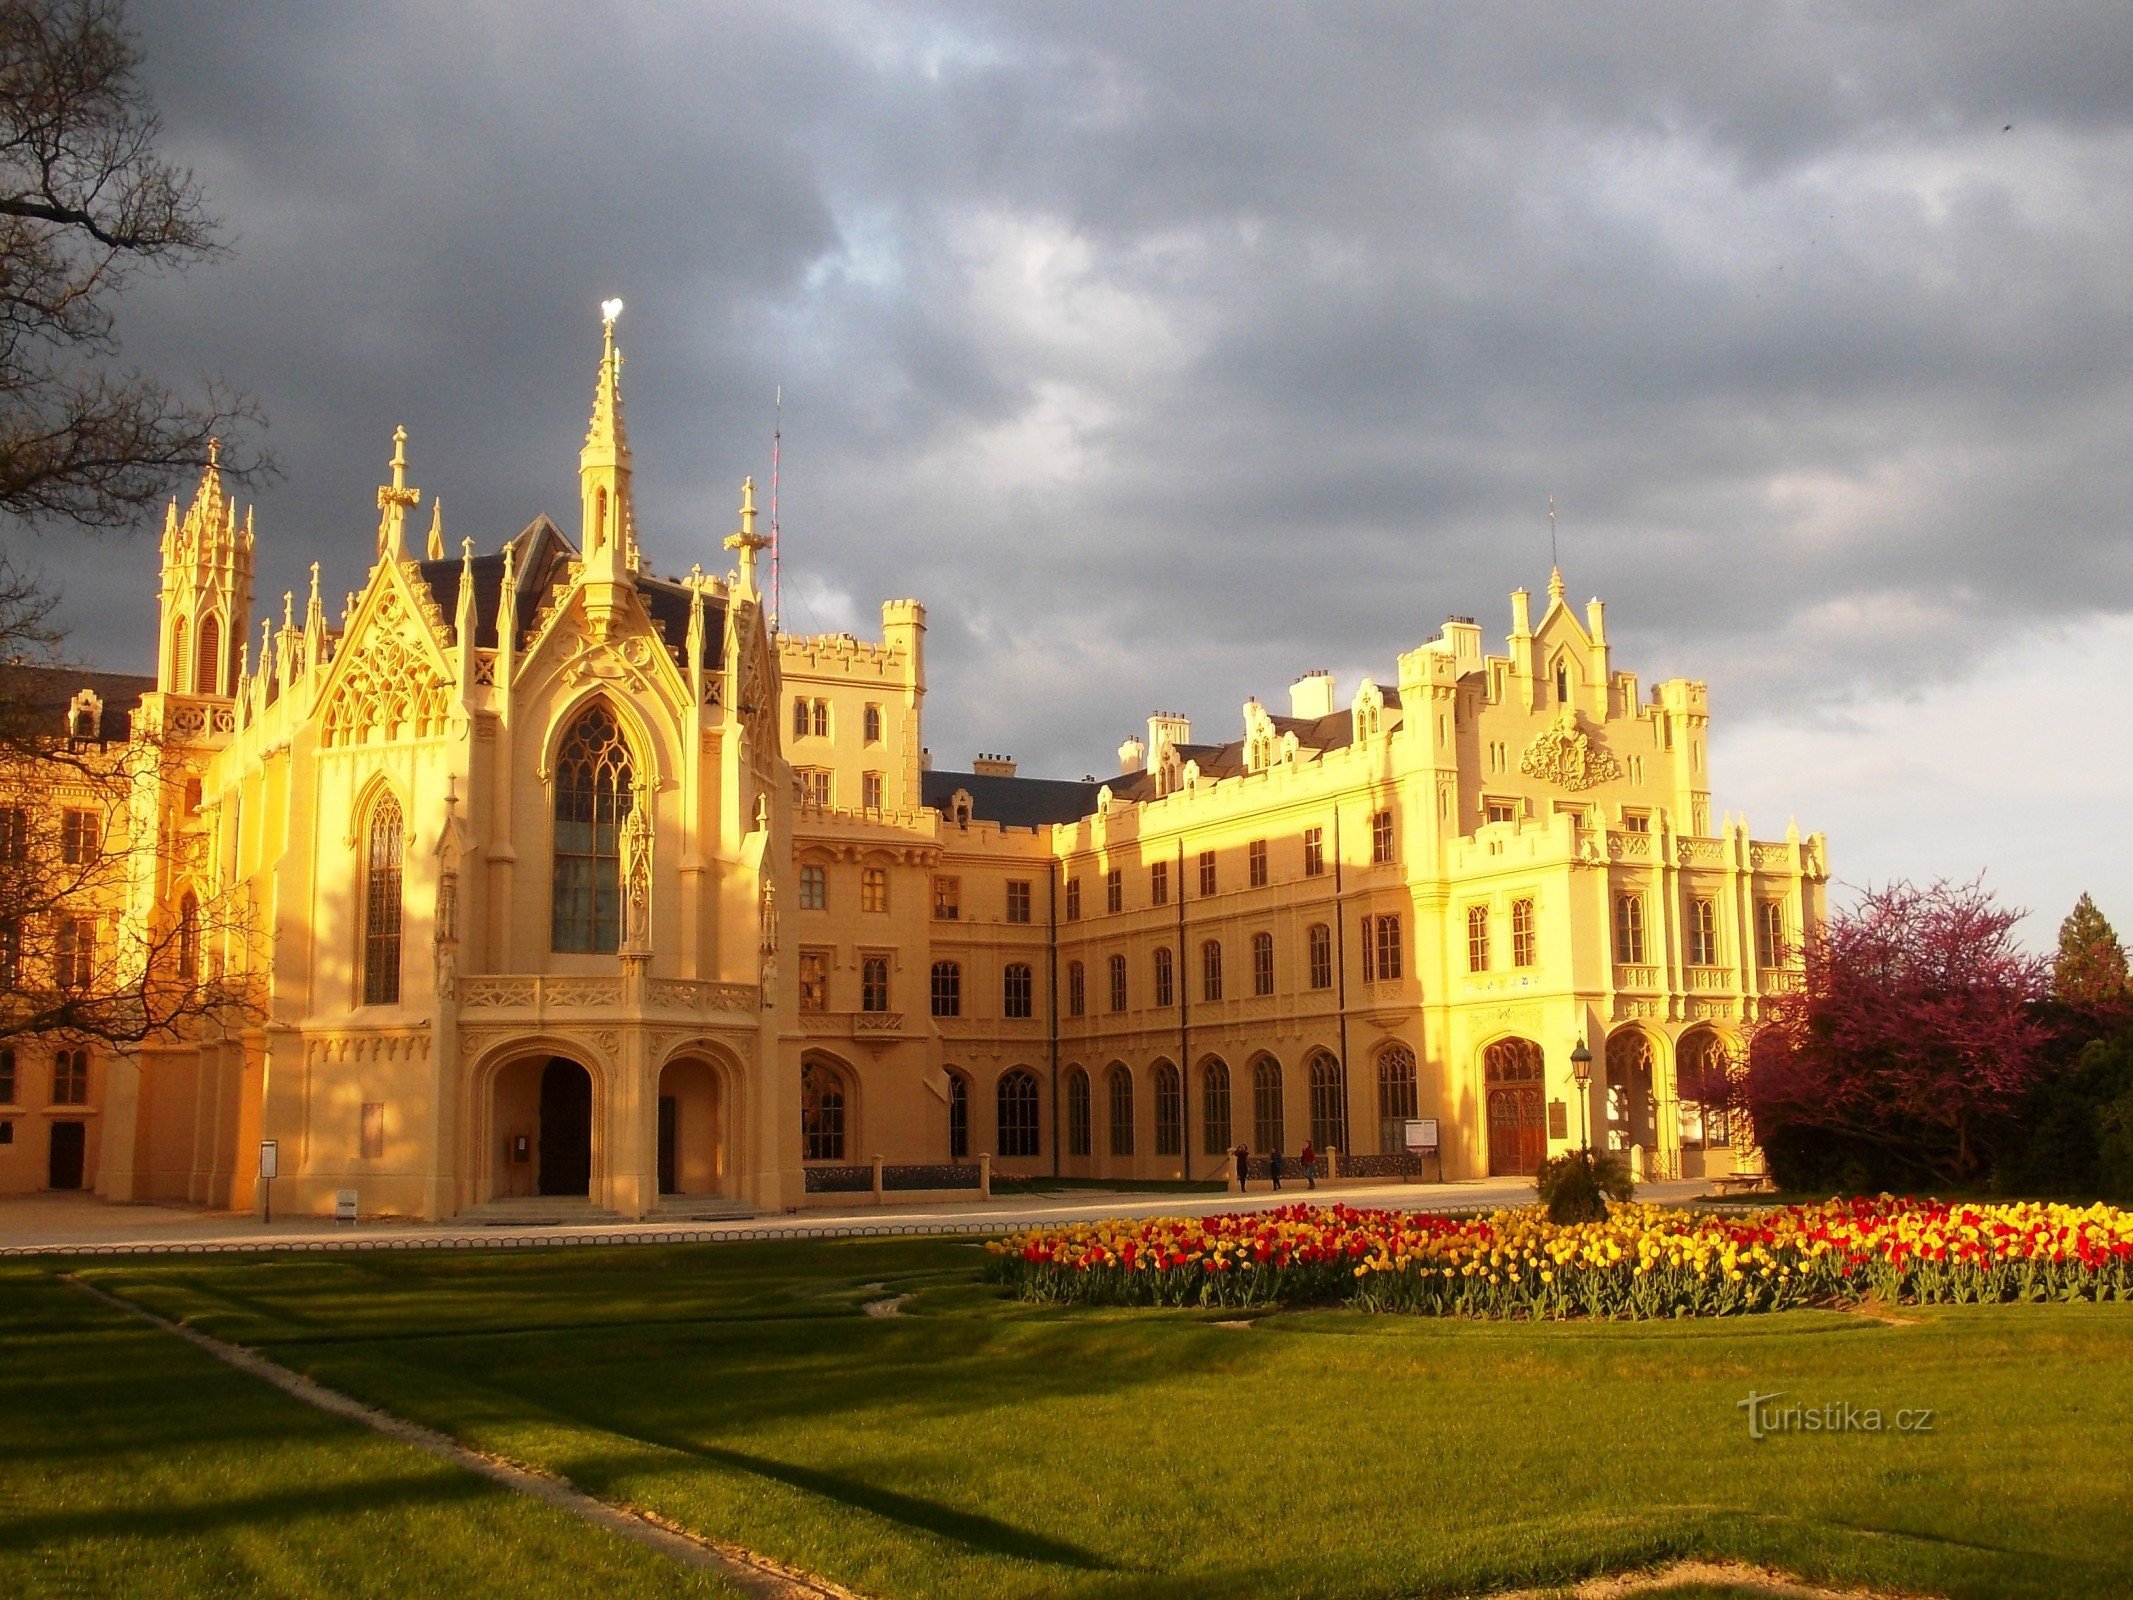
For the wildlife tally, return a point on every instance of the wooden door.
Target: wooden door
(69, 1143)
(1518, 1136)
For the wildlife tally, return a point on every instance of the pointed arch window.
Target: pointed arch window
(189, 938)
(593, 792)
(1214, 1106)
(179, 659)
(381, 905)
(207, 657)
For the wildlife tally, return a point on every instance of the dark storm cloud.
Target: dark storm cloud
(1166, 352)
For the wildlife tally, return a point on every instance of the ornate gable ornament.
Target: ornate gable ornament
(391, 688)
(1567, 755)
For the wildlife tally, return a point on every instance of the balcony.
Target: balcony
(538, 994)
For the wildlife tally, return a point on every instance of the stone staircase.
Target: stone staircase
(702, 1208)
(537, 1211)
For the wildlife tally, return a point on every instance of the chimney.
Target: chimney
(1162, 726)
(1130, 755)
(925, 759)
(993, 766)
(1312, 695)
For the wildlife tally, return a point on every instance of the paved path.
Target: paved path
(59, 1224)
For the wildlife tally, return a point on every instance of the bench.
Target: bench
(1741, 1182)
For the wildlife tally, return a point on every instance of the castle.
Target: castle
(564, 879)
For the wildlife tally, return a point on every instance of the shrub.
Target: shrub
(1577, 1186)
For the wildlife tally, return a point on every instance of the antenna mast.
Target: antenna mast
(1554, 559)
(777, 432)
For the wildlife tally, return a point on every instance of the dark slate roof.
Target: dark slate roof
(1011, 802)
(44, 693)
(541, 555)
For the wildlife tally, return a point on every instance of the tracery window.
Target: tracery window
(1523, 943)
(1262, 963)
(1629, 929)
(1477, 938)
(1397, 1103)
(1077, 1113)
(874, 983)
(1121, 1111)
(958, 1116)
(594, 786)
(1266, 1104)
(1320, 943)
(381, 905)
(1169, 1111)
(1329, 1103)
(947, 989)
(821, 1114)
(1703, 933)
(1211, 970)
(1214, 1106)
(1018, 990)
(1380, 837)
(1166, 989)
(1019, 1122)
(189, 938)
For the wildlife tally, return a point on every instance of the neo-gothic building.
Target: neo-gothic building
(567, 879)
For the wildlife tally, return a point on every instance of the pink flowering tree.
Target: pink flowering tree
(1917, 1033)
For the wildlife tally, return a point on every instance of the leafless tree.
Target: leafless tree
(85, 202)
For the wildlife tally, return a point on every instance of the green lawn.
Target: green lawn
(133, 1464)
(975, 1447)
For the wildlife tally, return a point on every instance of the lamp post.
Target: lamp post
(1581, 1075)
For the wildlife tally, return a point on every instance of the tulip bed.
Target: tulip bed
(1643, 1261)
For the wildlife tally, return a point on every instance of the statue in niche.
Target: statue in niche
(637, 875)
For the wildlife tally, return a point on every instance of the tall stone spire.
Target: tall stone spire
(395, 500)
(207, 588)
(610, 535)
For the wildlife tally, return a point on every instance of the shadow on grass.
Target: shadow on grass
(269, 1512)
(973, 1530)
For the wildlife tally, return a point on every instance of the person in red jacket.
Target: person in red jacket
(1309, 1158)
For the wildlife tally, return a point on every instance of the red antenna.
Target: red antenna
(777, 416)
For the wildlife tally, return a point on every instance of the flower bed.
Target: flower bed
(1643, 1261)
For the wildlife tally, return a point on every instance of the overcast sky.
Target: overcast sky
(1167, 352)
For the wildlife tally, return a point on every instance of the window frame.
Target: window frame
(1018, 991)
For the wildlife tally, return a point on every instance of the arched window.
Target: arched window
(958, 1116)
(947, 989)
(1121, 1110)
(207, 657)
(1562, 683)
(1262, 963)
(821, 1114)
(1211, 970)
(1320, 942)
(1523, 950)
(180, 662)
(1397, 1102)
(1632, 1090)
(1214, 1106)
(1077, 1086)
(1629, 929)
(1018, 990)
(1329, 1103)
(381, 905)
(1703, 933)
(1117, 967)
(1266, 1104)
(599, 528)
(1018, 1114)
(799, 719)
(189, 938)
(1077, 989)
(1703, 1068)
(593, 790)
(1169, 1111)
(1166, 984)
(1477, 938)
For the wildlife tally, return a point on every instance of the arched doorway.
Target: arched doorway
(1632, 1103)
(1514, 1079)
(692, 1132)
(565, 1166)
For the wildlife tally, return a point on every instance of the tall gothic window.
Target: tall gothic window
(1397, 1102)
(207, 657)
(821, 1114)
(189, 938)
(592, 797)
(1214, 1106)
(1019, 1135)
(1266, 1104)
(381, 905)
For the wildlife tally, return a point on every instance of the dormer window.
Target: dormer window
(1562, 683)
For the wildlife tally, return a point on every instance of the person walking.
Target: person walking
(1242, 1155)
(1310, 1165)
(1273, 1162)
